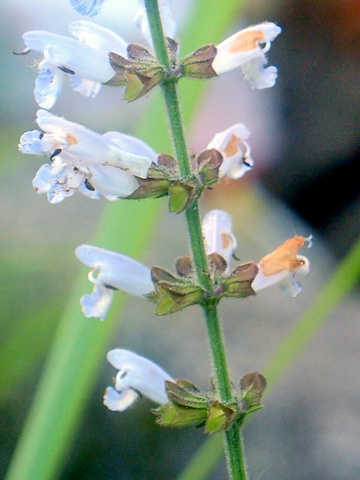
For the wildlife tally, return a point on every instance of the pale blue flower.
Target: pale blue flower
(114, 272)
(84, 160)
(137, 376)
(84, 59)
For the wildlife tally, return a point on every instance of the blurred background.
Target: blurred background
(305, 143)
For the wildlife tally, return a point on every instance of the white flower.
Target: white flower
(235, 151)
(137, 376)
(167, 20)
(83, 58)
(88, 8)
(218, 236)
(83, 160)
(247, 49)
(280, 267)
(115, 272)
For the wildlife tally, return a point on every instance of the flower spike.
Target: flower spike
(247, 49)
(281, 265)
(115, 272)
(137, 376)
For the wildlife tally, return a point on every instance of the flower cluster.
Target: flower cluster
(119, 272)
(115, 166)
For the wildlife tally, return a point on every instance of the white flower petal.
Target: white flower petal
(140, 374)
(85, 87)
(118, 271)
(262, 281)
(82, 144)
(99, 38)
(217, 230)
(44, 179)
(80, 59)
(48, 84)
(109, 180)
(39, 40)
(290, 287)
(97, 303)
(221, 139)
(167, 20)
(131, 144)
(33, 143)
(57, 193)
(234, 150)
(133, 163)
(258, 76)
(118, 402)
(87, 7)
(93, 194)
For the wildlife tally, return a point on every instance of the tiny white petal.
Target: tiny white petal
(290, 287)
(217, 230)
(87, 7)
(258, 76)
(97, 303)
(118, 402)
(33, 143)
(44, 179)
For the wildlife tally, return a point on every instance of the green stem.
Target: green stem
(233, 441)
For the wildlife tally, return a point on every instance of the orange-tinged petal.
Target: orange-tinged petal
(231, 147)
(247, 40)
(283, 257)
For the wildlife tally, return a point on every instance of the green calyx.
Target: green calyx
(164, 179)
(176, 292)
(189, 406)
